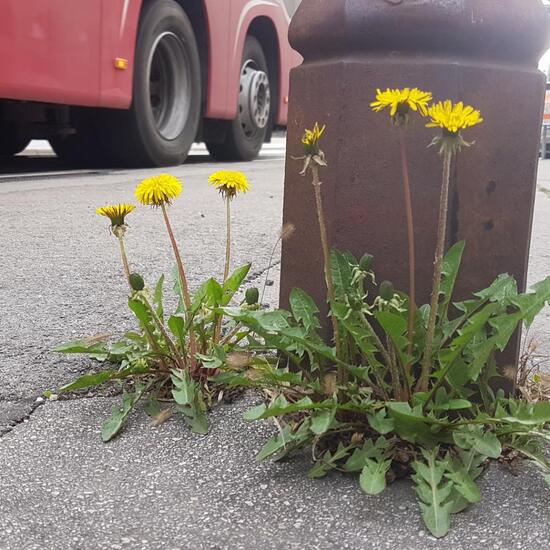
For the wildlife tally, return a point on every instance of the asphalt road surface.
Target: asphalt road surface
(61, 488)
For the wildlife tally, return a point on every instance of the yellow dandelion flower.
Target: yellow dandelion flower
(401, 102)
(229, 183)
(453, 117)
(158, 190)
(116, 213)
(311, 138)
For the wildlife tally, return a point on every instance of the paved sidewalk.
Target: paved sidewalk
(165, 488)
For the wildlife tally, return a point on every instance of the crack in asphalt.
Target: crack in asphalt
(9, 422)
(13, 422)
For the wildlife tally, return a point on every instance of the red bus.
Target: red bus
(136, 82)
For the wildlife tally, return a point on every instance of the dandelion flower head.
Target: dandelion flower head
(311, 138)
(158, 190)
(453, 117)
(229, 183)
(401, 101)
(116, 213)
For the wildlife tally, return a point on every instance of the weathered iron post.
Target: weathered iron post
(480, 51)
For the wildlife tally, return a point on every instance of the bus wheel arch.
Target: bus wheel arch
(242, 137)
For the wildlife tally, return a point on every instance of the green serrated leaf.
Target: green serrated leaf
(176, 324)
(262, 322)
(373, 476)
(89, 380)
(255, 413)
(153, 408)
(355, 325)
(97, 351)
(195, 417)
(484, 442)
(119, 415)
(157, 298)
(342, 273)
(286, 441)
(184, 388)
(214, 293)
(281, 406)
(304, 309)
(433, 493)
(377, 450)
(188, 397)
(275, 444)
(530, 414)
(463, 481)
(449, 273)
(322, 420)
(320, 469)
(380, 422)
(413, 426)
(395, 326)
(140, 311)
(449, 355)
(503, 289)
(234, 282)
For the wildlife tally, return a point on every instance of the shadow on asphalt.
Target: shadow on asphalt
(35, 164)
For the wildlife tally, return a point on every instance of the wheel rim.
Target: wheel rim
(169, 85)
(254, 99)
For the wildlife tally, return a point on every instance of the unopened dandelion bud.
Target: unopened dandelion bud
(252, 295)
(386, 291)
(365, 263)
(136, 282)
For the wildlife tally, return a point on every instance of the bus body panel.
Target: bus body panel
(50, 50)
(119, 27)
(63, 51)
(225, 65)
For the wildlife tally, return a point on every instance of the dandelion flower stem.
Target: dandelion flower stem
(326, 255)
(410, 238)
(125, 264)
(438, 267)
(119, 233)
(181, 270)
(183, 282)
(227, 240)
(218, 325)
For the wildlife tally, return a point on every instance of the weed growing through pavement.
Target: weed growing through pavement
(164, 360)
(397, 391)
(388, 397)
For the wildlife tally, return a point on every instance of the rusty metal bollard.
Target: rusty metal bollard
(480, 51)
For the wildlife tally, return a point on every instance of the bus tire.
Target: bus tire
(162, 122)
(245, 135)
